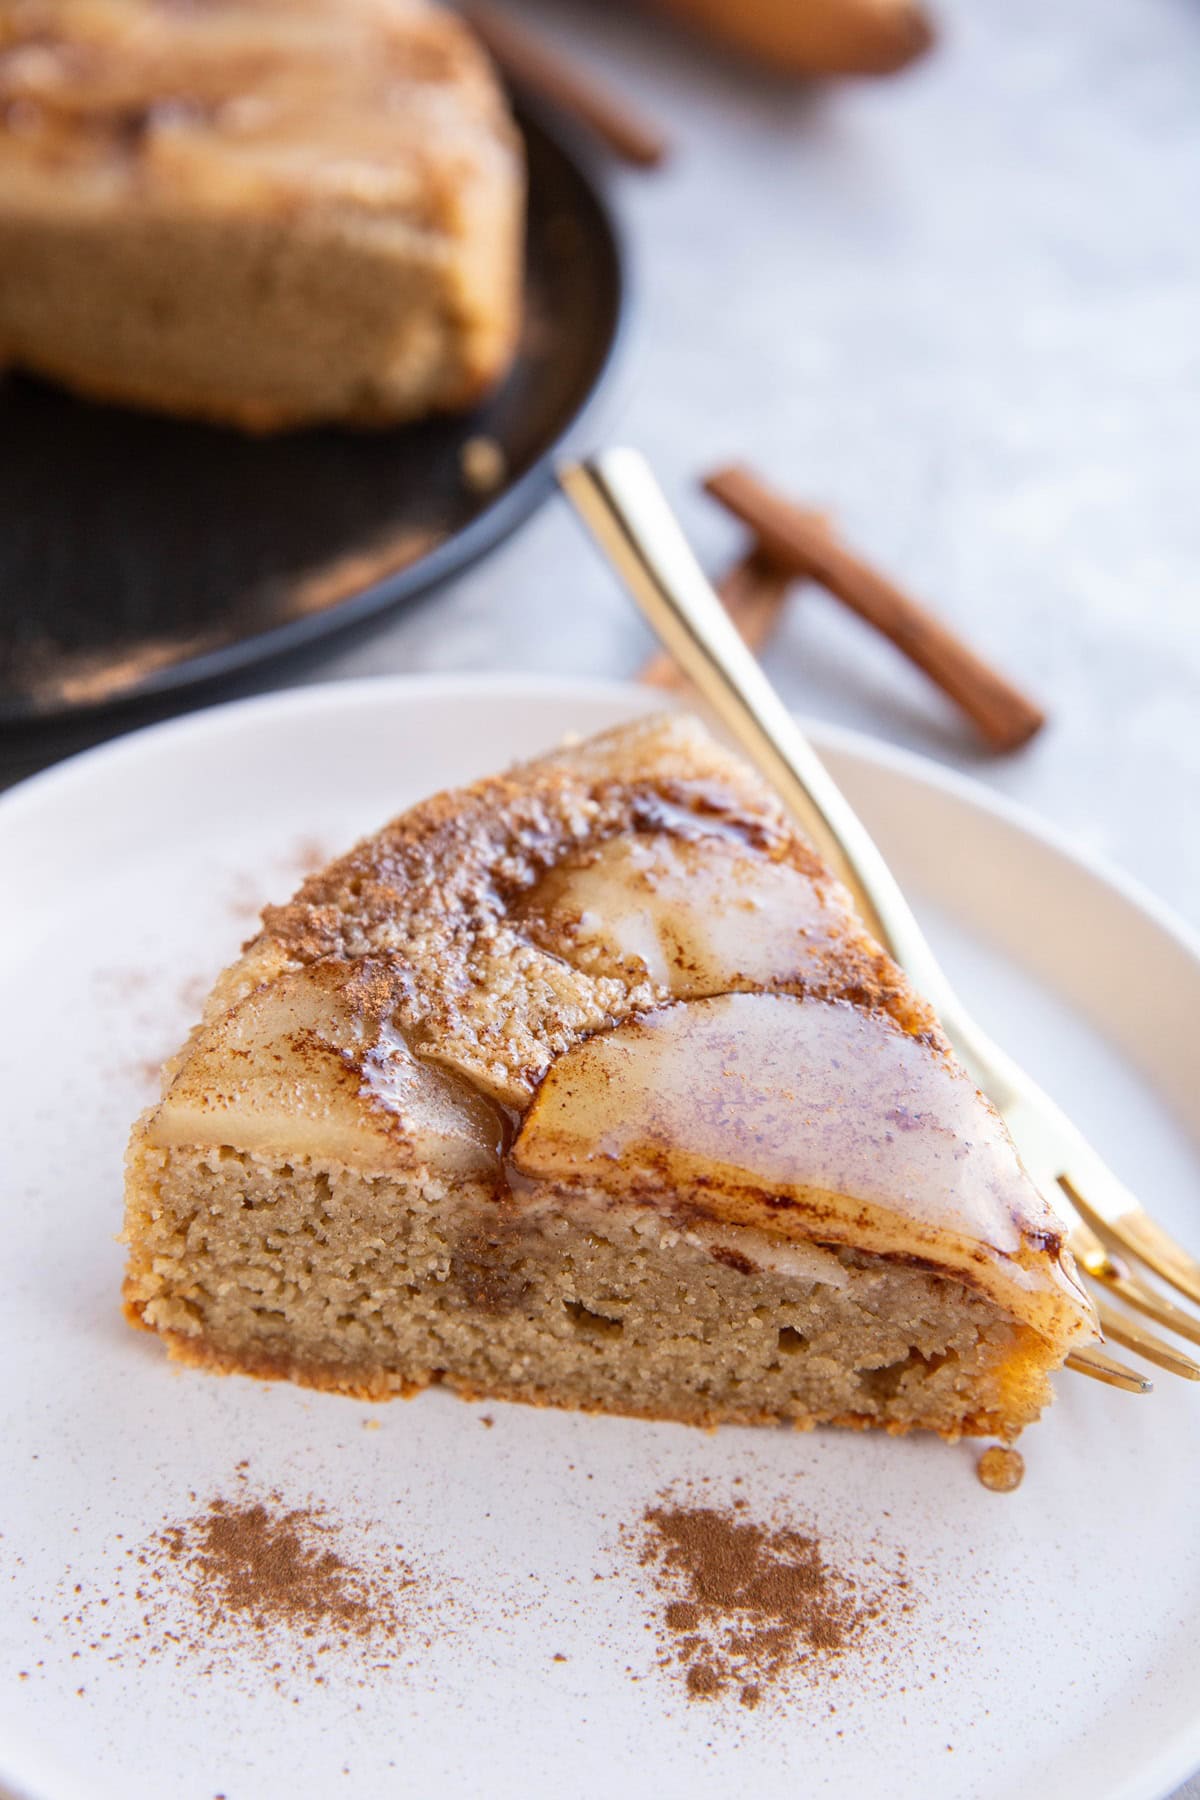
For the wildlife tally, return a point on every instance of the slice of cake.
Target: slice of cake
(586, 1086)
(261, 212)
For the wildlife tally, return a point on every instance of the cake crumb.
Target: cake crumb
(483, 464)
(487, 1420)
(1000, 1469)
(370, 1425)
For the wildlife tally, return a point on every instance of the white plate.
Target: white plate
(1054, 1644)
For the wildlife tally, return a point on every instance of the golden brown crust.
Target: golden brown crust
(251, 102)
(256, 416)
(259, 212)
(375, 1386)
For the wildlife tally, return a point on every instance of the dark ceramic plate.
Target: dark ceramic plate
(140, 556)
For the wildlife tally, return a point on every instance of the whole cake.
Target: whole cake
(261, 212)
(586, 1086)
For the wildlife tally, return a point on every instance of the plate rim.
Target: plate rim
(840, 739)
(491, 526)
(1176, 1760)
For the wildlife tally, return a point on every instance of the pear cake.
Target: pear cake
(586, 1086)
(265, 213)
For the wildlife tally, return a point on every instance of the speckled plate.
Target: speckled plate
(1052, 1645)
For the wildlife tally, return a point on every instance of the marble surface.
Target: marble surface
(960, 309)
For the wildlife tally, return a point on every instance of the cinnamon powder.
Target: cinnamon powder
(745, 1604)
(256, 1563)
(246, 1580)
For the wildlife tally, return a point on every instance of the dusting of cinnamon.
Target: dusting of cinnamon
(304, 857)
(745, 1604)
(246, 1580)
(253, 1561)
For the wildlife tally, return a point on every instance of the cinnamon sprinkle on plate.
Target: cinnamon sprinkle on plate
(744, 1605)
(246, 1578)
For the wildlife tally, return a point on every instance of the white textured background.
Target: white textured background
(962, 310)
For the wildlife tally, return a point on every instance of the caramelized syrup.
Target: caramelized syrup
(691, 915)
(442, 1105)
(783, 1095)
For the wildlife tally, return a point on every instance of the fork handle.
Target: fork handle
(619, 499)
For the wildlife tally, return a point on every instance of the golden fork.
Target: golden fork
(618, 498)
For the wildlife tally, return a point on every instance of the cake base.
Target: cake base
(379, 1287)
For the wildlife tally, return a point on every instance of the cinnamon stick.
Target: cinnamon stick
(803, 541)
(754, 591)
(529, 63)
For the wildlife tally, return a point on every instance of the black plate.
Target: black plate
(140, 556)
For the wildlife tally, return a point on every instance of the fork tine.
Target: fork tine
(1136, 1232)
(1097, 1261)
(1140, 1234)
(618, 499)
(1131, 1336)
(1120, 1283)
(1107, 1369)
